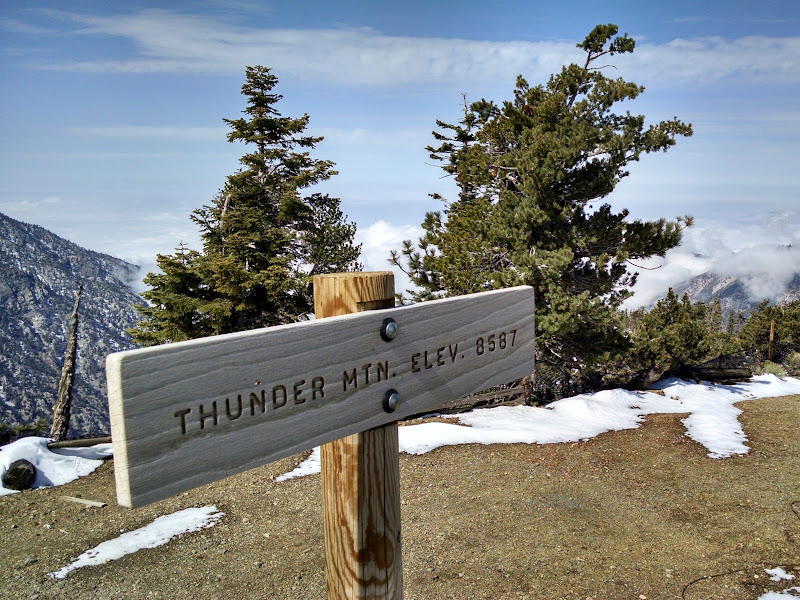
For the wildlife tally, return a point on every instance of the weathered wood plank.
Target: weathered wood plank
(189, 413)
(93, 503)
(361, 472)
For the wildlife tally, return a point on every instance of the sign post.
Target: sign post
(189, 413)
(361, 472)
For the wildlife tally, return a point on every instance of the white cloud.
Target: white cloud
(27, 209)
(378, 240)
(737, 124)
(168, 41)
(679, 265)
(763, 253)
(713, 58)
(83, 156)
(764, 270)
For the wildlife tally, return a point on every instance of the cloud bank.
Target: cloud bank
(378, 240)
(764, 254)
(167, 41)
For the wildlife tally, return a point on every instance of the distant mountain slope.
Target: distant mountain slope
(733, 292)
(793, 293)
(39, 275)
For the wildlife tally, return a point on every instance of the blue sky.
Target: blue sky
(111, 112)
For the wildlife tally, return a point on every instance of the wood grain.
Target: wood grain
(189, 413)
(361, 474)
(338, 294)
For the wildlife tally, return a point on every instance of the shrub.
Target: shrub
(10, 434)
(770, 368)
(792, 362)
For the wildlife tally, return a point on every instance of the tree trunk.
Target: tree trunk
(771, 338)
(61, 411)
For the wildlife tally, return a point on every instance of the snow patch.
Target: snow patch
(793, 592)
(777, 574)
(712, 421)
(53, 467)
(309, 466)
(153, 535)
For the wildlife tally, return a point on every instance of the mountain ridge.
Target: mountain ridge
(39, 276)
(733, 292)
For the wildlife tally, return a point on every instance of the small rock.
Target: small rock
(29, 560)
(20, 475)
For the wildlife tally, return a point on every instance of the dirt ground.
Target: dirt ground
(638, 514)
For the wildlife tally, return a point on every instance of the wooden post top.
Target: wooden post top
(345, 293)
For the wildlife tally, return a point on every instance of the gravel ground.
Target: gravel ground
(638, 514)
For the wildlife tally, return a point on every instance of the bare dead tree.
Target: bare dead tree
(61, 411)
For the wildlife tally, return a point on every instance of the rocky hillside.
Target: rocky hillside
(39, 276)
(729, 290)
(734, 293)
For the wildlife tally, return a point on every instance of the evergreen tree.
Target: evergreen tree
(674, 334)
(755, 332)
(262, 241)
(715, 316)
(175, 298)
(530, 175)
(678, 333)
(327, 238)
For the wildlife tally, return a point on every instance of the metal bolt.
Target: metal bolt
(389, 329)
(391, 400)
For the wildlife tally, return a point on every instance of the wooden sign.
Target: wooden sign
(189, 413)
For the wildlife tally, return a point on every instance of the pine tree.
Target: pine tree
(674, 334)
(715, 316)
(532, 174)
(754, 335)
(262, 240)
(176, 296)
(327, 238)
